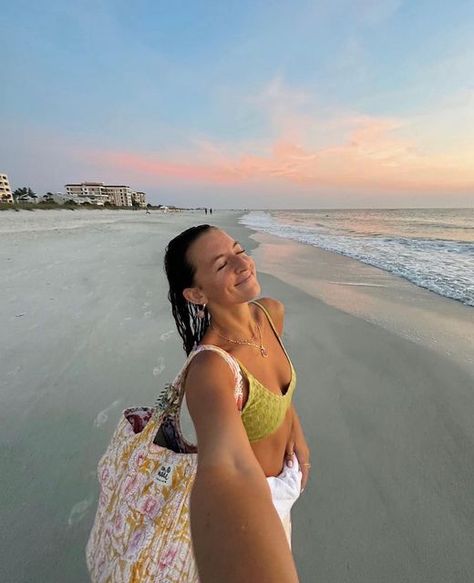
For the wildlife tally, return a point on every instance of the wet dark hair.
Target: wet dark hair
(180, 273)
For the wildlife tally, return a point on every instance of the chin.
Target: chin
(255, 291)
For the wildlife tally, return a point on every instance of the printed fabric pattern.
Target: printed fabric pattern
(141, 532)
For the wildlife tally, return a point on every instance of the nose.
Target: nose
(243, 263)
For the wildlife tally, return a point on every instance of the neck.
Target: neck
(235, 322)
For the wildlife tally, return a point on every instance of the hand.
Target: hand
(297, 446)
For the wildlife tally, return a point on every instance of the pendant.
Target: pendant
(263, 351)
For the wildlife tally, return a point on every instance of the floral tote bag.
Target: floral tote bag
(141, 531)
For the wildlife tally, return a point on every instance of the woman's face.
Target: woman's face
(225, 274)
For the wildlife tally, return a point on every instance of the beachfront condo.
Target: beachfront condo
(5, 190)
(100, 193)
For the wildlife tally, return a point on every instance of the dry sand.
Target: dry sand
(86, 329)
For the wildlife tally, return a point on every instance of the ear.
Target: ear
(194, 295)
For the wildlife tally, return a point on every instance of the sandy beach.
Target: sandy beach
(385, 393)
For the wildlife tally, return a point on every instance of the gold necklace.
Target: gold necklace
(263, 350)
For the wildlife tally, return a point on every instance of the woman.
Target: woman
(247, 431)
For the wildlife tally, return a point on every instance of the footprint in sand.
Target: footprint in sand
(166, 335)
(78, 511)
(104, 414)
(160, 367)
(14, 372)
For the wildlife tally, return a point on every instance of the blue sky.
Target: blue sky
(229, 104)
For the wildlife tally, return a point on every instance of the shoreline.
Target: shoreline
(433, 250)
(373, 294)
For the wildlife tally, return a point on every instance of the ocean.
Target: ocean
(432, 248)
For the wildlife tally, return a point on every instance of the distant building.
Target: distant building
(62, 198)
(31, 198)
(100, 193)
(119, 195)
(93, 192)
(139, 198)
(5, 190)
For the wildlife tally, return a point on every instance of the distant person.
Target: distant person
(210, 211)
(205, 210)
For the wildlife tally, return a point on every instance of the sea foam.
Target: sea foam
(443, 266)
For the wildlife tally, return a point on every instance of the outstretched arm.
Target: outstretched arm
(237, 534)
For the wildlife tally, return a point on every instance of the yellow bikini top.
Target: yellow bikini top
(264, 410)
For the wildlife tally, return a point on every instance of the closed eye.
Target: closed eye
(224, 264)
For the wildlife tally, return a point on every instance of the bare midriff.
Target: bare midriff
(270, 451)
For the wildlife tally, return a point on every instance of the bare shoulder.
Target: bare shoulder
(276, 309)
(209, 390)
(207, 365)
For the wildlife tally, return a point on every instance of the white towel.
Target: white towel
(285, 489)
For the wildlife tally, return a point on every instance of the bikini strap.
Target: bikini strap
(268, 316)
(273, 328)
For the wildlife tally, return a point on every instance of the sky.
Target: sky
(262, 104)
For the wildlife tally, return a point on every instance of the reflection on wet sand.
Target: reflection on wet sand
(371, 294)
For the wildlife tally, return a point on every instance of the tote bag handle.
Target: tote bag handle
(168, 405)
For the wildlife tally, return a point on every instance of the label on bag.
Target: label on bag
(164, 474)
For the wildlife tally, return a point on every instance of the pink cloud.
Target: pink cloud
(147, 164)
(315, 146)
(370, 156)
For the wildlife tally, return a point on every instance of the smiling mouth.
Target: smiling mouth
(247, 278)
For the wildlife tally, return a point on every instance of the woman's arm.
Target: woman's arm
(237, 534)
